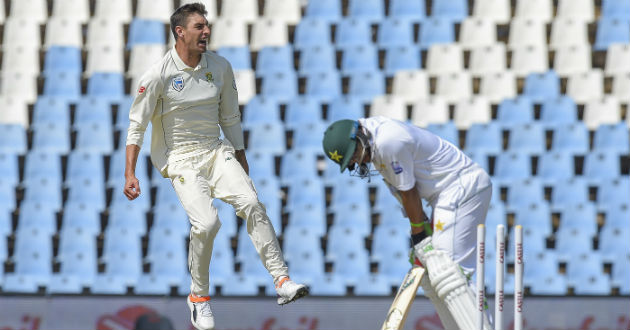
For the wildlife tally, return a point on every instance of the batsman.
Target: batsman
(417, 164)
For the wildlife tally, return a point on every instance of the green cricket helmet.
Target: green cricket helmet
(340, 141)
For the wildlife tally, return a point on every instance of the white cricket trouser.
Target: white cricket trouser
(217, 174)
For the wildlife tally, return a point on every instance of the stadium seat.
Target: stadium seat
(445, 58)
(80, 217)
(308, 136)
(523, 193)
(261, 165)
(585, 274)
(498, 11)
(329, 284)
(617, 215)
(280, 85)
(302, 110)
(529, 59)
(76, 10)
(267, 137)
(600, 165)
(307, 265)
(62, 31)
(527, 138)
(38, 211)
(414, 11)
(13, 140)
(129, 217)
(362, 58)
(95, 137)
(388, 241)
(515, 112)
(620, 273)
(455, 11)
(457, 87)
(353, 214)
(613, 192)
(323, 86)
(496, 87)
(104, 58)
(371, 11)
(615, 8)
(373, 284)
(572, 243)
(345, 107)
(602, 111)
(436, 30)
(23, 59)
(274, 59)
(541, 10)
(555, 166)
(488, 59)
(329, 10)
(240, 285)
(308, 218)
(154, 10)
(580, 216)
(558, 111)
(316, 59)
(123, 264)
(402, 58)
(246, 11)
(394, 31)
(510, 166)
(107, 85)
(366, 85)
(145, 31)
(614, 244)
(343, 239)
(429, 111)
(586, 87)
(446, 131)
(35, 10)
(477, 33)
(298, 164)
(572, 60)
(288, 11)
(81, 264)
(228, 32)
(351, 266)
(107, 283)
(611, 30)
(612, 138)
(44, 192)
(389, 106)
(573, 138)
(50, 109)
(116, 9)
(526, 32)
(239, 57)
(63, 85)
(411, 85)
(268, 32)
(261, 110)
(566, 32)
(615, 59)
(84, 164)
(484, 139)
(475, 110)
(105, 31)
(62, 58)
(542, 86)
(581, 10)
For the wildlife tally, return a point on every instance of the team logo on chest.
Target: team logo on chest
(178, 83)
(396, 167)
(209, 77)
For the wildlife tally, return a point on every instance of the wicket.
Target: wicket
(499, 276)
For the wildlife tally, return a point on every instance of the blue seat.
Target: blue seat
(373, 285)
(352, 266)
(572, 138)
(110, 85)
(342, 239)
(64, 284)
(398, 58)
(611, 30)
(311, 32)
(9, 169)
(436, 30)
(613, 192)
(6, 229)
(614, 243)
(51, 109)
(12, 139)
(353, 214)
(542, 86)
(40, 164)
(359, 59)
(19, 283)
(153, 284)
(585, 274)
(308, 217)
(527, 138)
(383, 200)
(84, 164)
(455, 10)
(274, 59)
(515, 111)
(128, 216)
(617, 216)
(620, 274)
(43, 192)
(559, 111)
(81, 264)
(510, 166)
(307, 265)
(301, 110)
(165, 193)
(496, 215)
(328, 10)
(367, 85)
(33, 255)
(52, 138)
(170, 265)
(92, 109)
(261, 109)
(161, 240)
(323, 86)
(268, 137)
(172, 216)
(315, 59)
(484, 138)
(39, 213)
(544, 279)
(409, 9)
(446, 131)
(116, 174)
(572, 243)
(125, 265)
(261, 165)
(388, 241)
(345, 107)
(145, 32)
(239, 57)
(582, 216)
(352, 32)
(329, 284)
(109, 284)
(372, 11)
(568, 192)
(395, 32)
(612, 138)
(240, 285)
(523, 192)
(306, 191)
(63, 84)
(62, 59)
(308, 136)
(350, 190)
(76, 238)
(222, 263)
(89, 191)
(555, 166)
(616, 9)
(537, 215)
(95, 137)
(298, 238)
(298, 164)
(280, 85)
(122, 115)
(601, 165)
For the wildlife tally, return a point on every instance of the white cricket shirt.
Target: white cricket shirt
(185, 107)
(408, 156)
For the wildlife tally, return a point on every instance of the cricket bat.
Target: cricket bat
(397, 313)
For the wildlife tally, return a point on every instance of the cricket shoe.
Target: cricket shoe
(289, 291)
(200, 313)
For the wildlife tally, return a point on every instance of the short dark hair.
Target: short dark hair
(180, 16)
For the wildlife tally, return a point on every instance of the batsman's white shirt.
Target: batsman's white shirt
(457, 188)
(186, 106)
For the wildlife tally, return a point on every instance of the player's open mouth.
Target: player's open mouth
(202, 43)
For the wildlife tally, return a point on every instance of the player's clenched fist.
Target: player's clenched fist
(132, 188)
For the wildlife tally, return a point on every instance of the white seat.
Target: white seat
(244, 10)
(529, 59)
(477, 32)
(211, 7)
(445, 58)
(105, 59)
(411, 85)
(389, 106)
(3, 15)
(454, 86)
(159, 10)
(471, 111)
(21, 31)
(572, 59)
(21, 59)
(527, 32)
(13, 110)
(617, 57)
(119, 10)
(498, 11)
(581, 10)
(142, 56)
(76, 10)
(602, 111)
(497, 86)
(429, 111)
(488, 59)
(228, 32)
(586, 86)
(621, 88)
(104, 31)
(568, 32)
(541, 10)
(245, 84)
(20, 85)
(33, 10)
(288, 11)
(63, 32)
(268, 32)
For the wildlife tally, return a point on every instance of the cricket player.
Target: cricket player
(187, 96)
(417, 164)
